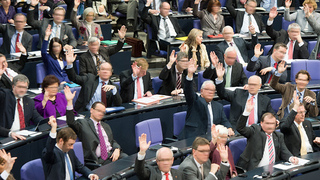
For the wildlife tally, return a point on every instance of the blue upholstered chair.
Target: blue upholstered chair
(152, 128)
(179, 120)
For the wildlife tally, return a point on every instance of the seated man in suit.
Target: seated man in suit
(96, 54)
(58, 158)
(266, 66)
(174, 74)
(164, 158)
(239, 97)
(94, 87)
(298, 132)
(246, 19)
(259, 137)
(189, 4)
(11, 69)
(297, 48)
(43, 9)
(59, 29)
(234, 75)
(202, 110)
(154, 9)
(17, 110)
(241, 46)
(193, 165)
(163, 26)
(98, 149)
(136, 82)
(268, 4)
(15, 34)
(306, 96)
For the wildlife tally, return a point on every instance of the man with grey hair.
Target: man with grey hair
(174, 74)
(89, 61)
(16, 109)
(234, 75)
(243, 47)
(297, 48)
(164, 159)
(202, 110)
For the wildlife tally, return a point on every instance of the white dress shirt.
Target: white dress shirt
(162, 31)
(16, 122)
(135, 86)
(240, 58)
(265, 158)
(245, 24)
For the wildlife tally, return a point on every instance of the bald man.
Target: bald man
(239, 97)
(164, 158)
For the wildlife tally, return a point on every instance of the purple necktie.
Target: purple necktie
(103, 147)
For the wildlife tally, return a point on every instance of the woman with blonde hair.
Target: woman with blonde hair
(195, 49)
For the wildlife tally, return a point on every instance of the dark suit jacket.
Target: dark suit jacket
(46, 14)
(238, 100)
(88, 136)
(256, 140)
(89, 84)
(283, 37)
(8, 31)
(142, 4)
(169, 80)
(191, 171)
(70, 5)
(4, 132)
(197, 114)
(8, 108)
(53, 161)
(17, 66)
(190, 4)
(243, 46)
(292, 135)
(261, 63)
(146, 172)
(238, 77)
(87, 64)
(66, 35)
(238, 17)
(127, 85)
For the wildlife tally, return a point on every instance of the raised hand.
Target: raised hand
(34, 2)
(52, 122)
(122, 32)
(183, 47)
(243, 1)
(143, 144)
(135, 69)
(288, 3)
(282, 67)
(45, 99)
(68, 94)
(9, 160)
(223, 150)
(148, 3)
(306, 10)
(196, 1)
(192, 67)
(3, 67)
(76, 4)
(249, 105)
(173, 58)
(220, 70)
(296, 100)
(21, 48)
(257, 50)
(48, 32)
(273, 13)
(70, 57)
(214, 134)
(214, 58)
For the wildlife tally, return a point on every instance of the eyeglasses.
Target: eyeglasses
(211, 90)
(204, 151)
(22, 87)
(302, 112)
(55, 88)
(164, 160)
(100, 111)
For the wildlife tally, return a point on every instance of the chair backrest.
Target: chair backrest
(201, 79)
(313, 69)
(296, 66)
(226, 109)
(248, 73)
(118, 83)
(179, 120)
(77, 66)
(1, 41)
(35, 41)
(63, 5)
(41, 72)
(266, 49)
(75, 33)
(237, 147)
(77, 89)
(152, 128)
(180, 4)
(156, 84)
(311, 45)
(149, 31)
(78, 150)
(223, 3)
(286, 23)
(32, 170)
(275, 104)
(196, 24)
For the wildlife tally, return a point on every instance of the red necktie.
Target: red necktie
(167, 176)
(290, 52)
(251, 116)
(103, 94)
(275, 66)
(138, 88)
(17, 40)
(21, 115)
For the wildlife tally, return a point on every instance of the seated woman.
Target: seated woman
(219, 137)
(7, 12)
(50, 102)
(195, 49)
(211, 20)
(54, 61)
(86, 28)
(299, 16)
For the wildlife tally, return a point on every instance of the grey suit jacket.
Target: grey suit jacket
(312, 20)
(191, 171)
(66, 35)
(208, 25)
(299, 18)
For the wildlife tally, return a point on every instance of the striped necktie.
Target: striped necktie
(270, 149)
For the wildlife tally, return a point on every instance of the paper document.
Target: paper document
(64, 118)
(27, 133)
(286, 167)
